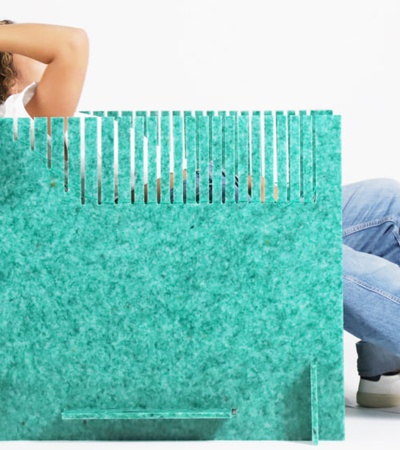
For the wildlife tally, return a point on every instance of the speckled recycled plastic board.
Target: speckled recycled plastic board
(128, 317)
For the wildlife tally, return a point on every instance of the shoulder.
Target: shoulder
(14, 106)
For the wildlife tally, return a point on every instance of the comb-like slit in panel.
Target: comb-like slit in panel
(281, 152)
(178, 158)
(90, 161)
(210, 168)
(73, 160)
(152, 139)
(139, 159)
(123, 185)
(230, 126)
(216, 123)
(124, 157)
(116, 162)
(132, 165)
(256, 181)
(99, 154)
(222, 115)
(306, 160)
(243, 155)
(82, 159)
(66, 162)
(269, 158)
(165, 155)
(203, 138)
(190, 141)
(171, 157)
(294, 158)
(57, 148)
(107, 160)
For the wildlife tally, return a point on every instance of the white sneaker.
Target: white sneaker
(384, 393)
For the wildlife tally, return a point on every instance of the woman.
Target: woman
(42, 69)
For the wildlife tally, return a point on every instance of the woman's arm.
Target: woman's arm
(65, 50)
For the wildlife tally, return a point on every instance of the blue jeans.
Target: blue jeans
(371, 272)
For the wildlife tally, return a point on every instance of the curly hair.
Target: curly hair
(8, 72)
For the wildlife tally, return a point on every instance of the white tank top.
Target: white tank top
(14, 106)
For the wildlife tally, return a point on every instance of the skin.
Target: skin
(54, 56)
(29, 71)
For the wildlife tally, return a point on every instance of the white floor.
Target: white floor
(365, 428)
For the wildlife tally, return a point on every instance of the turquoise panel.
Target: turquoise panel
(129, 319)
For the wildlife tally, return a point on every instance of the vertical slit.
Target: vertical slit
(115, 123)
(275, 158)
(184, 165)
(32, 133)
(49, 145)
(82, 158)
(249, 157)
(262, 156)
(249, 183)
(301, 126)
(184, 181)
(236, 159)
(66, 161)
(171, 157)
(223, 171)
(222, 185)
(210, 161)
(15, 122)
(171, 187)
(197, 194)
(287, 158)
(158, 158)
(313, 159)
(145, 160)
(99, 161)
(132, 155)
(210, 180)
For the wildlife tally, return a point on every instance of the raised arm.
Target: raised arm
(65, 52)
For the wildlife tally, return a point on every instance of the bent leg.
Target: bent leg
(371, 291)
(371, 220)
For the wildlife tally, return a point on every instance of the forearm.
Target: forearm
(40, 41)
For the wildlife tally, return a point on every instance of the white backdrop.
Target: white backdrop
(248, 54)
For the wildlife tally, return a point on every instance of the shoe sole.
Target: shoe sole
(377, 400)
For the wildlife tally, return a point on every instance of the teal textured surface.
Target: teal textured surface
(125, 316)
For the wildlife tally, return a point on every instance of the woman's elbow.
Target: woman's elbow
(77, 42)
